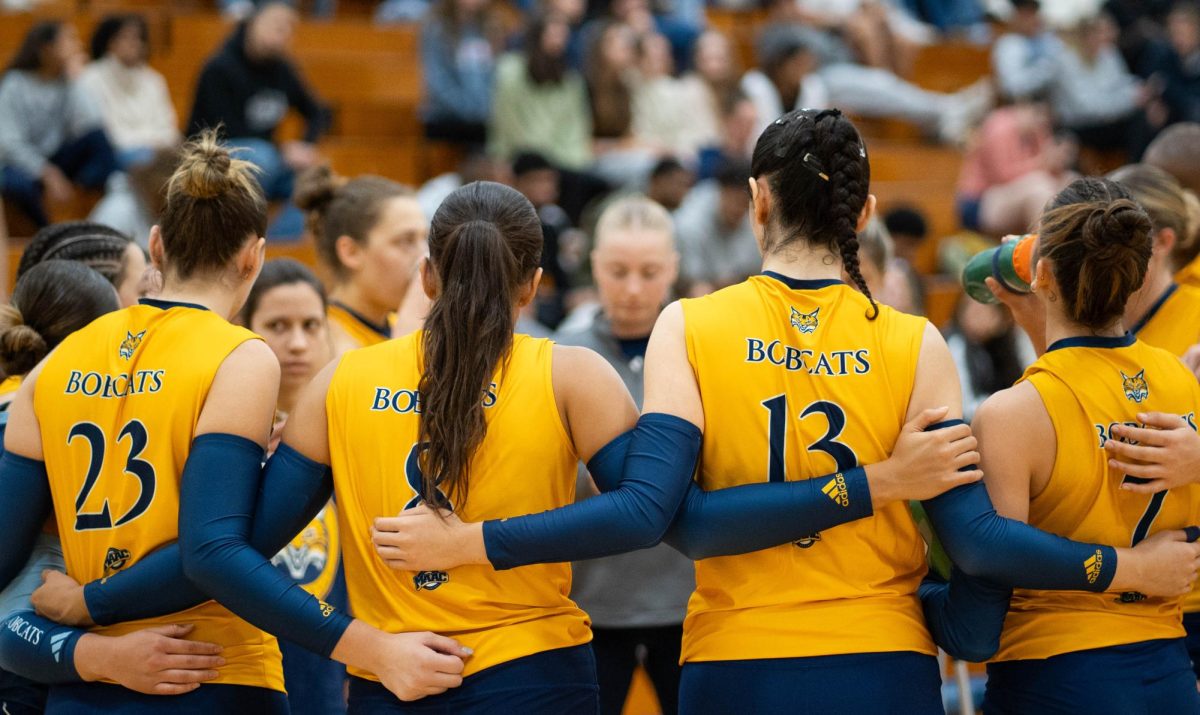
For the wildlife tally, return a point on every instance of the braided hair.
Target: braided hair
(816, 165)
(97, 246)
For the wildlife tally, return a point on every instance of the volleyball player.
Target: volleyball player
(370, 233)
(148, 421)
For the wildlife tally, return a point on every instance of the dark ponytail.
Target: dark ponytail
(816, 165)
(485, 243)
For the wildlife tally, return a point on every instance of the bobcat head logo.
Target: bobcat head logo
(130, 343)
(1136, 389)
(805, 322)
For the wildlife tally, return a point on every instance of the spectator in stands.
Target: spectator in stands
(716, 241)
(908, 229)
(670, 182)
(248, 86)
(619, 157)
(477, 165)
(135, 199)
(660, 105)
(883, 275)
(636, 601)
(792, 76)
(879, 33)
(1175, 64)
(1013, 167)
(538, 179)
(540, 102)
(132, 97)
(1026, 59)
(1095, 96)
(950, 15)
(738, 131)
(459, 44)
(989, 351)
(1176, 150)
(713, 78)
(51, 135)
(241, 9)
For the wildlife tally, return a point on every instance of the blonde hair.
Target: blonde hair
(1168, 204)
(631, 213)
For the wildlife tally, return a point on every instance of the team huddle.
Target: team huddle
(789, 425)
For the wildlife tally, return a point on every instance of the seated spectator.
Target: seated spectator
(738, 133)
(669, 183)
(135, 199)
(883, 272)
(132, 97)
(908, 229)
(950, 15)
(880, 34)
(475, 166)
(1176, 150)
(538, 180)
(636, 601)
(989, 351)
(792, 76)
(620, 158)
(713, 77)
(459, 43)
(541, 103)
(660, 105)
(1012, 168)
(716, 242)
(1175, 64)
(1093, 93)
(248, 86)
(51, 135)
(241, 9)
(1026, 59)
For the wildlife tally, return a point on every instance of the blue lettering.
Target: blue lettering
(822, 362)
(754, 350)
(381, 400)
(863, 367)
(771, 354)
(97, 384)
(73, 382)
(489, 396)
(841, 357)
(795, 359)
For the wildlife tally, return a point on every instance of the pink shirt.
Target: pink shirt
(1002, 152)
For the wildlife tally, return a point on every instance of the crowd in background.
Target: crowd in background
(629, 125)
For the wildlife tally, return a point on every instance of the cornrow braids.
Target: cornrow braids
(849, 182)
(98, 246)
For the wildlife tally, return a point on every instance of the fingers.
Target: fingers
(1151, 487)
(449, 646)
(388, 523)
(443, 681)
(194, 648)
(966, 459)
(1135, 452)
(193, 662)
(1127, 434)
(1161, 420)
(173, 688)
(928, 417)
(173, 630)
(970, 477)
(177, 676)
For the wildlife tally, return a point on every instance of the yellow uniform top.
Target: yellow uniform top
(1189, 275)
(1173, 322)
(357, 328)
(1088, 386)
(118, 403)
(8, 390)
(525, 464)
(797, 382)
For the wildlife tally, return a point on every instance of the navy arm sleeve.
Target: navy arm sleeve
(218, 491)
(966, 615)
(293, 490)
(657, 469)
(1009, 552)
(39, 649)
(750, 517)
(26, 492)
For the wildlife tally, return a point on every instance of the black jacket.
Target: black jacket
(252, 97)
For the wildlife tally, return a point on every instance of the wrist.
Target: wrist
(472, 539)
(1127, 574)
(92, 654)
(880, 478)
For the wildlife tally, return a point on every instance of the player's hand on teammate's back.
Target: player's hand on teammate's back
(155, 661)
(415, 665)
(925, 464)
(60, 598)
(1164, 564)
(1166, 451)
(419, 539)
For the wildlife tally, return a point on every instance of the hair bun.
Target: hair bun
(316, 188)
(21, 347)
(204, 167)
(1113, 227)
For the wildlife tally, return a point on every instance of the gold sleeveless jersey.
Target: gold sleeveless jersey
(796, 383)
(357, 328)
(1173, 322)
(1189, 275)
(525, 464)
(1089, 385)
(118, 403)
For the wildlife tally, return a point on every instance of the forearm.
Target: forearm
(39, 649)
(26, 493)
(966, 615)
(219, 488)
(292, 492)
(657, 469)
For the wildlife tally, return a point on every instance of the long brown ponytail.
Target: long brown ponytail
(485, 243)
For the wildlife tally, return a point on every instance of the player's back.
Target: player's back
(1172, 323)
(525, 464)
(118, 403)
(797, 382)
(1089, 385)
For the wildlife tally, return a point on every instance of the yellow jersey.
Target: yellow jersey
(118, 403)
(796, 383)
(1189, 275)
(1089, 385)
(525, 464)
(1173, 322)
(356, 328)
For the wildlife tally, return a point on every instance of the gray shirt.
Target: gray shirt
(642, 588)
(37, 117)
(708, 252)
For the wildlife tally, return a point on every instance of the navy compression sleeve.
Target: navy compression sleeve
(1010, 552)
(750, 517)
(661, 458)
(966, 615)
(293, 490)
(26, 492)
(39, 649)
(217, 495)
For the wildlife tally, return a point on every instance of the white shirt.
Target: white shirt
(134, 102)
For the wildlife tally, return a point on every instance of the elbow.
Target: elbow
(975, 651)
(201, 564)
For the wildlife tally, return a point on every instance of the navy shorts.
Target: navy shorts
(1145, 678)
(554, 682)
(862, 683)
(98, 698)
(1191, 624)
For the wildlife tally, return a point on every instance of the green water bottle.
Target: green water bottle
(1010, 263)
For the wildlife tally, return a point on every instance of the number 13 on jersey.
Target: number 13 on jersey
(777, 427)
